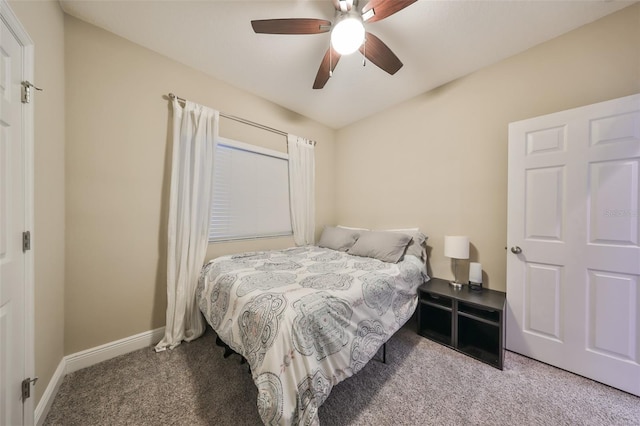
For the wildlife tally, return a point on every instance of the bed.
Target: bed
(306, 318)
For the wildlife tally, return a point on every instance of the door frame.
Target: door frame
(27, 45)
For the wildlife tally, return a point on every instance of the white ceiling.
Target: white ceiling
(438, 41)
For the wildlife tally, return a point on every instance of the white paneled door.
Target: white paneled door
(573, 261)
(13, 221)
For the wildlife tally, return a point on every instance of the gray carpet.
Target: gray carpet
(423, 383)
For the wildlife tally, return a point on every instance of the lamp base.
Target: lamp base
(456, 285)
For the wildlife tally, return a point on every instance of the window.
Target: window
(250, 192)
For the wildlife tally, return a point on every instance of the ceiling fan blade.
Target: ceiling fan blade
(331, 58)
(378, 53)
(383, 8)
(291, 26)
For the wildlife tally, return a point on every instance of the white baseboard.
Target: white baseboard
(89, 357)
(49, 394)
(92, 356)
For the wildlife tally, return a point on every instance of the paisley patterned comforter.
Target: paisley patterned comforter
(305, 319)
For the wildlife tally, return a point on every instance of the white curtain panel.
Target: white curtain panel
(302, 189)
(195, 132)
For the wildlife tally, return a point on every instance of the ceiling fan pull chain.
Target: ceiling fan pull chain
(364, 53)
(330, 67)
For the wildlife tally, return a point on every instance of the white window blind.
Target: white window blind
(250, 192)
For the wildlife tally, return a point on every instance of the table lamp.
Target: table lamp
(456, 247)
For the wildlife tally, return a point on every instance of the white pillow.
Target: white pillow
(353, 229)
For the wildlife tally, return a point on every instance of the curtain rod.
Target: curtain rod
(243, 121)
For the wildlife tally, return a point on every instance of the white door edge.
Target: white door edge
(12, 22)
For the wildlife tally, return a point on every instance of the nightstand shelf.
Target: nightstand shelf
(471, 322)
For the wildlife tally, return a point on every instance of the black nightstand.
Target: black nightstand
(471, 322)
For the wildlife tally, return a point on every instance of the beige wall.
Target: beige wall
(444, 153)
(44, 22)
(439, 160)
(117, 177)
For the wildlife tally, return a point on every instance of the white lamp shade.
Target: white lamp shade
(456, 247)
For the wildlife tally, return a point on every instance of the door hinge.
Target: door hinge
(26, 91)
(26, 241)
(26, 387)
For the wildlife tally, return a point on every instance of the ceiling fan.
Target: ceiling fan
(347, 34)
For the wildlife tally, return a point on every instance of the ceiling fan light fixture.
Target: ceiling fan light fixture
(348, 34)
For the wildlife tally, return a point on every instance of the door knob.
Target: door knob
(516, 250)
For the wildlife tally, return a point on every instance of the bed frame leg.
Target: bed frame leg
(227, 352)
(219, 341)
